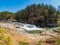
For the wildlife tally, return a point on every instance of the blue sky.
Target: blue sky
(15, 5)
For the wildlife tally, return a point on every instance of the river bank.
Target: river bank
(16, 34)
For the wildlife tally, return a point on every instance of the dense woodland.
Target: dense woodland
(41, 15)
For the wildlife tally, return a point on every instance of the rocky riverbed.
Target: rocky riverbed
(44, 36)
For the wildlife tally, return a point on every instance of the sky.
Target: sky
(16, 5)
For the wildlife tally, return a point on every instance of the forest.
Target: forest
(41, 15)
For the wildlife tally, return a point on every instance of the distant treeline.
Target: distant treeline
(39, 14)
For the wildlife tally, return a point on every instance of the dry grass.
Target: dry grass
(15, 38)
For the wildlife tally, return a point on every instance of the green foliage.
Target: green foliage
(40, 14)
(1, 31)
(40, 42)
(2, 43)
(58, 42)
(9, 42)
(6, 15)
(56, 29)
(23, 43)
(34, 31)
(2, 36)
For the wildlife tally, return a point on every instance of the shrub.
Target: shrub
(9, 41)
(23, 43)
(2, 36)
(2, 43)
(1, 31)
(40, 42)
(58, 42)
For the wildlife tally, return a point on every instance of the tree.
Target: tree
(6, 15)
(38, 14)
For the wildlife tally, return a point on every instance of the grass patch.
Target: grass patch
(23, 43)
(6, 40)
(57, 29)
(34, 31)
(40, 42)
(1, 30)
(58, 42)
(2, 43)
(9, 41)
